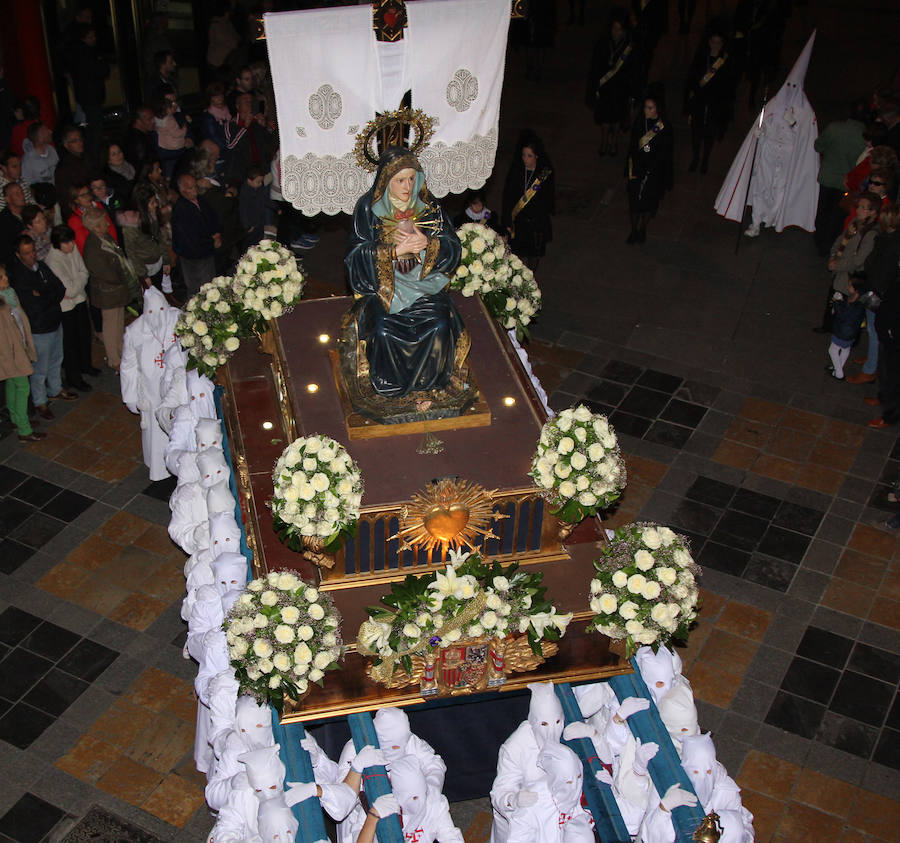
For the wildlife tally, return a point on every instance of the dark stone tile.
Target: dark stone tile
(13, 555)
(644, 402)
(15, 625)
(862, 698)
(721, 557)
(784, 544)
(695, 516)
(88, 660)
(10, 478)
(801, 519)
(56, 692)
(746, 529)
(671, 435)
(698, 393)
(811, 680)
(755, 503)
(558, 401)
(660, 380)
(879, 498)
(875, 662)
(68, 505)
(22, 725)
(161, 489)
(893, 719)
(680, 412)
(37, 492)
(19, 671)
(37, 530)
(772, 573)
(847, 734)
(606, 392)
(835, 529)
(794, 714)
(13, 513)
(597, 407)
(626, 423)
(30, 819)
(712, 492)
(50, 641)
(888, 750)
(825, 647)
(618, 370)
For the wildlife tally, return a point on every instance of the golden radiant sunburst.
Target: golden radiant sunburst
(449, 513)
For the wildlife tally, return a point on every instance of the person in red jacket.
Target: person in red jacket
(80, 199)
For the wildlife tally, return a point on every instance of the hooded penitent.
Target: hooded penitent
(698, 757)
(265, 771)
(224, 534)
(657, 670)
(219, 498)
(781, 182)
(141, 374)
(277, 823)
(212, 466)
(209, 434)
(181, 437)
(392, 728)
(200, 396)
(545, 714)
(254, 723)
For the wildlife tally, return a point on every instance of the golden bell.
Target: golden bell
(709, 830)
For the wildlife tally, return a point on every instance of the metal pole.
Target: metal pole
(762, 115)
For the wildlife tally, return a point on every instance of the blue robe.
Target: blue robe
(407, 319)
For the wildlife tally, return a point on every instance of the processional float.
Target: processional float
(449, 470)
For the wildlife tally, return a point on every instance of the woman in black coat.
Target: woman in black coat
(528, 200)
(709, 96)
(648, 167)
(612, 81)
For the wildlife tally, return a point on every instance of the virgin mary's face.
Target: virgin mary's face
(401, 185)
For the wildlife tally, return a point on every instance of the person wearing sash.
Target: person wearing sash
(612, 81)
(709, 95)
(528, 200)
(401, 252)
(649, 165)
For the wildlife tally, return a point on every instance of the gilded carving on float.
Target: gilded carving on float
(448, 513)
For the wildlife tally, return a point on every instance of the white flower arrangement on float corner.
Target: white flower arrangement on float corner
(645, 589)
(317, 493)
(268, 281)
(282, 634)
(578, 464)
(506, 286)
(210, 326)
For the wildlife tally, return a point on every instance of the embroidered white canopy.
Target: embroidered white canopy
(331, 77)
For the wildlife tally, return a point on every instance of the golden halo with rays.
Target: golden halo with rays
(449, 512)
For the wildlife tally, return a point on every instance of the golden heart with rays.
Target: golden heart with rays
(446, 523)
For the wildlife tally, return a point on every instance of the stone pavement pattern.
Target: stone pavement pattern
(733, 433)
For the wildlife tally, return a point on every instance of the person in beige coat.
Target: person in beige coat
(112, 285)
(17, 353)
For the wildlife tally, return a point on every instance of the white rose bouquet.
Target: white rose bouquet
(645, 589)
(469, 599)
(317, 494)
(578, 464)
(268, 281)
(210, 326)
(506, 286)
(282, 634)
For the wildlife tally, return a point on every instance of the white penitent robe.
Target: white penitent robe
(782, 184)
(173, 391)
(145, 344)
(425, 815)
(518, 770)
(182, 437)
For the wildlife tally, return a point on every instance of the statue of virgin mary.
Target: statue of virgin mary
(401, 253)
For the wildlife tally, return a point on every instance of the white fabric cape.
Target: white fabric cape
(784, 187)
